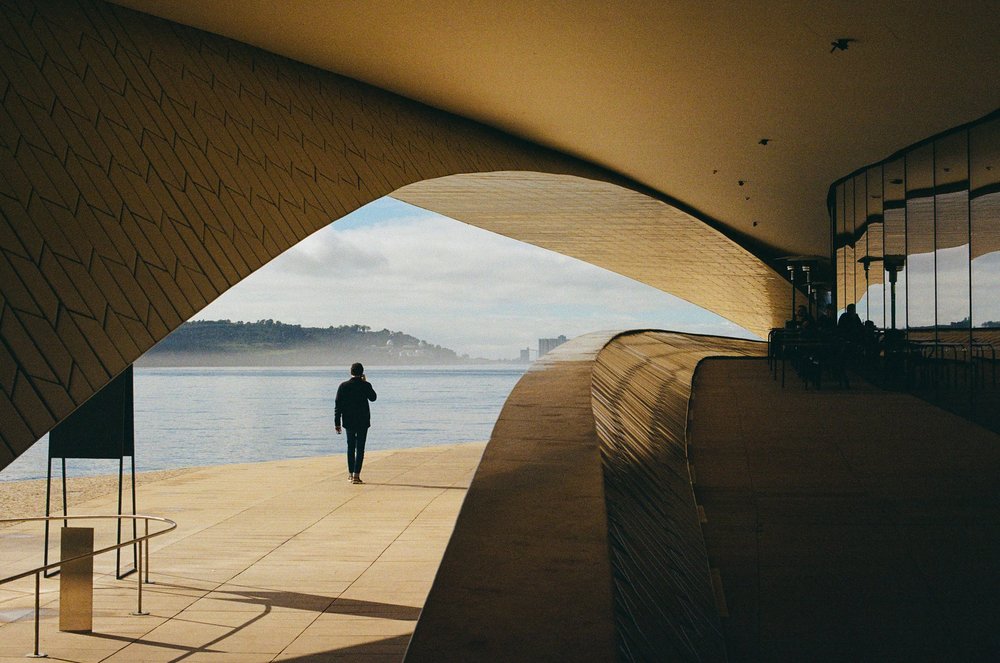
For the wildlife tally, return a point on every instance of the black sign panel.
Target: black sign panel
(103, 427)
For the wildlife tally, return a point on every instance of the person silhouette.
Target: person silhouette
(350, 407)
(849, 326)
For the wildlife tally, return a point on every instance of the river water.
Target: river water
(210, 416)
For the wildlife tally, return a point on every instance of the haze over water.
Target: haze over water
(210, 416)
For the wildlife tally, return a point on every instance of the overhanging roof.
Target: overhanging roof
(676, 95)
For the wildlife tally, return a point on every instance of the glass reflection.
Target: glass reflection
(951, 212)
(939, 205)
(841, 241)
(984, 210)
(894, 231)
(920, 290)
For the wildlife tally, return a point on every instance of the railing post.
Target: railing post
(72, 563)
(38, 610)
(145, 562)
(138, 582)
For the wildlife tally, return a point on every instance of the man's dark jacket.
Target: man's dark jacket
(351, 404)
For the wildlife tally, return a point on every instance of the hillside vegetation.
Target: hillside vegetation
(273, 343)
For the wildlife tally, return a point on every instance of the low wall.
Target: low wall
(665, 608)
(579, 537)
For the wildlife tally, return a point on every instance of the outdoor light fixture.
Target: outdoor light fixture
(792, 263)
(866, 261)
(893, 264)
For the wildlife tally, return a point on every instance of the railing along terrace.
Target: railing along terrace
(143, 542)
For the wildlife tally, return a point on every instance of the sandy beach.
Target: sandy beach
(26, 499)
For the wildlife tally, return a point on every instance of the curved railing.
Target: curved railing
(143, 542)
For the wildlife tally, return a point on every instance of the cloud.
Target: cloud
(395, 266)
(326, 256)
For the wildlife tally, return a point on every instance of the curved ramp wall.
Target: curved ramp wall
(665, 608)
(579, 537)
(147, 167)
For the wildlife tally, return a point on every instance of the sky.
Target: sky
(392, 265)
(942, 300)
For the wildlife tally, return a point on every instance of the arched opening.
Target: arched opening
(247, 588)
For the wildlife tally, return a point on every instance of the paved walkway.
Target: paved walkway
(271, 561)
(526, 576)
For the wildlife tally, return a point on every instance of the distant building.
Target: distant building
(525, 356)
(546, 344)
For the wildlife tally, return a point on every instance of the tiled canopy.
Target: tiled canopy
(618, 229)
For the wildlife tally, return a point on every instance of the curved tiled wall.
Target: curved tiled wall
(579, 538)
(619, 229)
(146, 167)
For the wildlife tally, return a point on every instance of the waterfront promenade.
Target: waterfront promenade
(282, 560)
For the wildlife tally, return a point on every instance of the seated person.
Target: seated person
(850, 327)
(826, 321)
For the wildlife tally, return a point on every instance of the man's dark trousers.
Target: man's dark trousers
(356, 449)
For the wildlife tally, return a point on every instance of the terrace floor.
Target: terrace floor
(278, 561)
(845, 524)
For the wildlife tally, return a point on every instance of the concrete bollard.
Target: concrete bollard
(76, 580)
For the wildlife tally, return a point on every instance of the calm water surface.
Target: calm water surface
(211, 416)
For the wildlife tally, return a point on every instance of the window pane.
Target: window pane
(849, 256)
(984, 182)
(920, 293)
(951, 210)
(873, 302)
(858, 212)
(841, 239)
(894, 233)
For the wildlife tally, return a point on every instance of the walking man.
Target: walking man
(351, 407)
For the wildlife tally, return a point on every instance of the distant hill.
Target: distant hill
(273, 343)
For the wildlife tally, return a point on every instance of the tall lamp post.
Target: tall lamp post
(793, 263)
(866, 262)
(893, 264)
(791, 279)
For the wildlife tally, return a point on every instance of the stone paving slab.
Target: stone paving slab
(283, 560)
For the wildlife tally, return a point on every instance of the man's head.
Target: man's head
(850, 308)
(357, 370)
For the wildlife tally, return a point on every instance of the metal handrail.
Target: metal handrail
(141, 540)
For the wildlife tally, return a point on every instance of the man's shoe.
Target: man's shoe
(350, 477)
(357, 479)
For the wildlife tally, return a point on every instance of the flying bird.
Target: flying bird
(841, 44)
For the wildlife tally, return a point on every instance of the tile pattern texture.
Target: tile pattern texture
(147, 167)
(579, 538)
(665, 608)
(618, 229)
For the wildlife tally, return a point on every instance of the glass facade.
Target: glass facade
(984, 223)
(937, 204)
